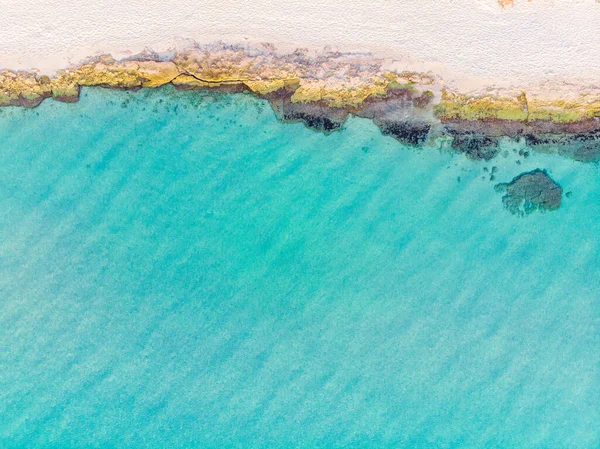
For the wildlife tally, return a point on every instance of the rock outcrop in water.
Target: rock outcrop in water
(322, 90)
(531, 191)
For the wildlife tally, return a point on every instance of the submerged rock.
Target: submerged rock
(475, 146)
(531, 191)
(583, 147)
(406, 132)
(314, 115)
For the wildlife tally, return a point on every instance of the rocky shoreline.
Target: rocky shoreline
(323, 90)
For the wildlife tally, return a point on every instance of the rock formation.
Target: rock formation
(322, 90)
(531, 191)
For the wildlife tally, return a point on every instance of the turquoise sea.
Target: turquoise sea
(181, 270)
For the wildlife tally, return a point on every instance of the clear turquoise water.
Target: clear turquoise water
(179, 270)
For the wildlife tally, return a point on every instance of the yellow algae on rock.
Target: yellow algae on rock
(517, 107)
(208, 68)
(331, 79)
(189, 82)
(454, 106)
(264, 87)
(261, 72)
(22, 89)
(349, 93)
(391, 82)
(564, 111)
(153, 73)
(65, 92)
(107, 72)
(309, 91)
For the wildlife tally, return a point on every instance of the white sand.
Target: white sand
(531, 41)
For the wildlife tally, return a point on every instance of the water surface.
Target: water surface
(181, 270)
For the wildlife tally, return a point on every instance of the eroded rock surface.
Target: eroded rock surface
(531, 191)
(322, 90)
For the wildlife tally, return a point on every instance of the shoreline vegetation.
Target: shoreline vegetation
(322, 90)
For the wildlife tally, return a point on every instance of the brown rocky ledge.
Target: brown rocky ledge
(322, 90)
(560, 119)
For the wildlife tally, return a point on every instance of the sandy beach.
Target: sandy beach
(528, 42)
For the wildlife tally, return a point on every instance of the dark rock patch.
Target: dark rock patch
(405, 132)
(529, 192)
(475, 146)
(318, 122)
(315, 116)
(584, 147)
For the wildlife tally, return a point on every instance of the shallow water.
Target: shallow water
(181, 270)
